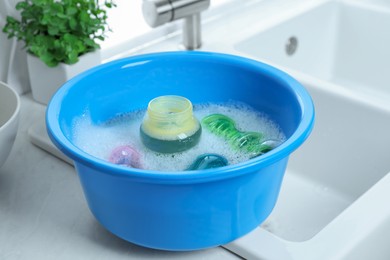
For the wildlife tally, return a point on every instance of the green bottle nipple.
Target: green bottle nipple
(225, 127)
(169, 125)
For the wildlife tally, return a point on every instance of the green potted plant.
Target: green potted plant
(61, 38)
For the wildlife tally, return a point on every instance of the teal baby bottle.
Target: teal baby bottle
(208, 161)
(250, 142)
(169, 125)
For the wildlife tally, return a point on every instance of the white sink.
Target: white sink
(339, 45)
(342, 42)
(347, 153)
(333, 202)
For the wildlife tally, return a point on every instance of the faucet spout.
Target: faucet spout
(192, 35)
(158, 12)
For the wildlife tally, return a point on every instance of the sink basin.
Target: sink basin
(342, 42)
(346, 155)
(339, 50)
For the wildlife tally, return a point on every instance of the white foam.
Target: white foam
(100, 140)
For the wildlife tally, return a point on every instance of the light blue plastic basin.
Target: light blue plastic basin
(185, 210)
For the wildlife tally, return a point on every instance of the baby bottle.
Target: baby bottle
(208, 161)
(169, 125)
(253, 143)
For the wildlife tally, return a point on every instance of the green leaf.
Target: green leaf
(53, 30)
(56, 8)
(62, 15)
(21, 5)
(71, 11)
(42, 2)
(72, 23)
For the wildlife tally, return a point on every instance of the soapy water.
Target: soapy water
(99, 140)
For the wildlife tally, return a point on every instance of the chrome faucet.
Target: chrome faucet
(158, 12)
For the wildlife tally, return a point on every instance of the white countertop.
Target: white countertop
(44, 215)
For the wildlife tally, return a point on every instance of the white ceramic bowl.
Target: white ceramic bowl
(9, 118)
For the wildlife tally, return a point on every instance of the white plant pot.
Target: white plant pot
(45, 81)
